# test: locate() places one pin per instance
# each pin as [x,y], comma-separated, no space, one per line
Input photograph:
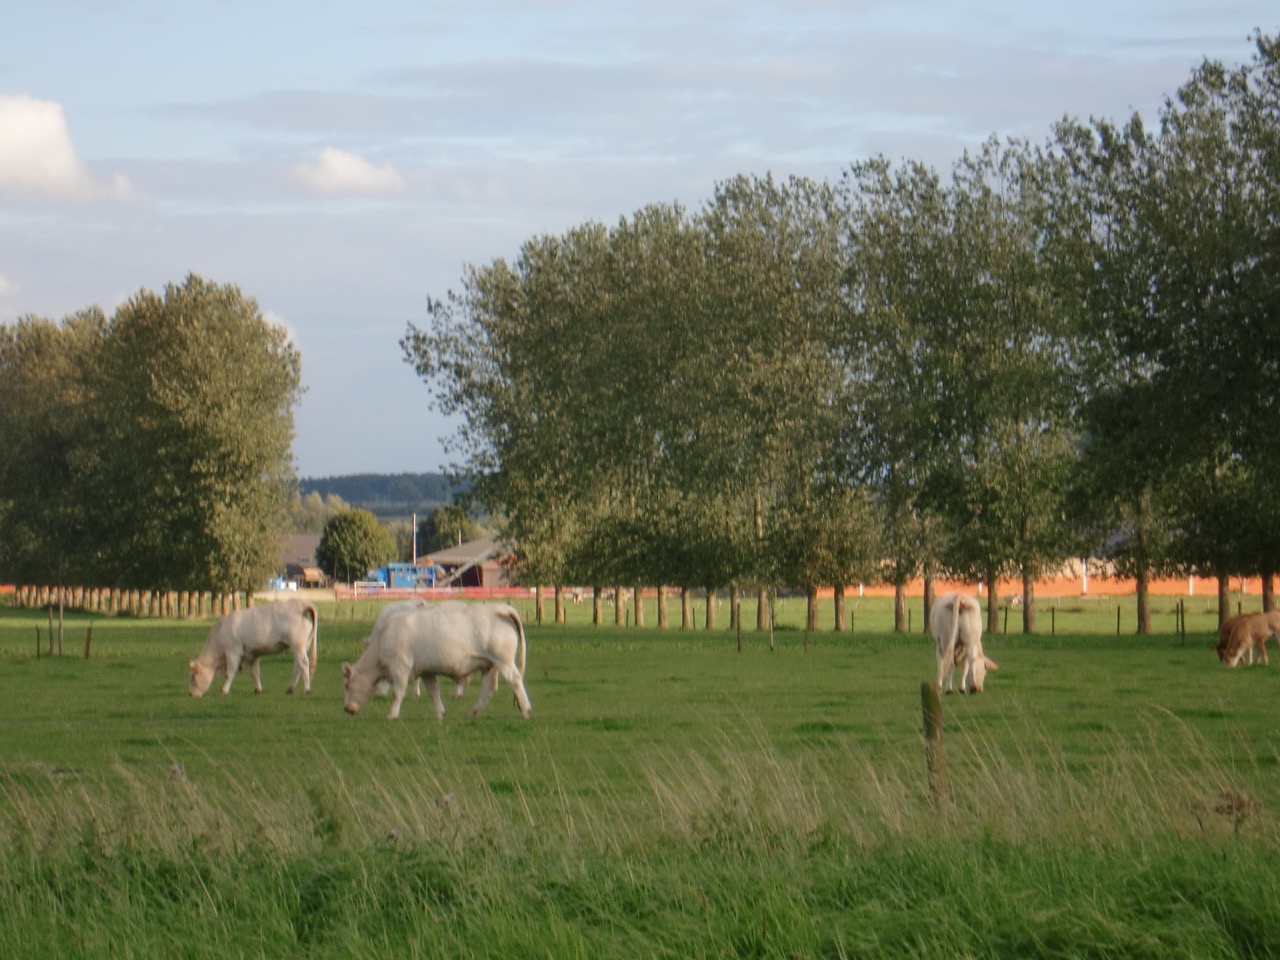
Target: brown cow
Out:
[1239,635]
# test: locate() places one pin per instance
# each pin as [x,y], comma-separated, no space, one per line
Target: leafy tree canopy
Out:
[352,544]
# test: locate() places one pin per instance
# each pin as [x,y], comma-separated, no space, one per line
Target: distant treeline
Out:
[365,489]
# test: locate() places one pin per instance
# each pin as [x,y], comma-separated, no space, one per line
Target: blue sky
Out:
[340,162]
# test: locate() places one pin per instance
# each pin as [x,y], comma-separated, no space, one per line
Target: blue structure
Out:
[406,576]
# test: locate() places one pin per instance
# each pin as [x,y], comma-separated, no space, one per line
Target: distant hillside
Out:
[380,492]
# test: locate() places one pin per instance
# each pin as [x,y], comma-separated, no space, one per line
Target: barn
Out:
[476,563]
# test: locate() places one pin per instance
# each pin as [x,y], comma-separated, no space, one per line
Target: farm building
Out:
[298,557]
[477,563]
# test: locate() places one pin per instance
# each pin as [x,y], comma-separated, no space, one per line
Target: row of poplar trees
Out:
[1065,349]
[148,450]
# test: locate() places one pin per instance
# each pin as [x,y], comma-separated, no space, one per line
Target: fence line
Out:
[170,604]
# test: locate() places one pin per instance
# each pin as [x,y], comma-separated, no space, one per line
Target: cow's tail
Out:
[520,631]
[954,641]
[314,646]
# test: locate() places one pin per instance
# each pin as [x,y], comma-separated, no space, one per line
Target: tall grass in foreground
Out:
[733,850]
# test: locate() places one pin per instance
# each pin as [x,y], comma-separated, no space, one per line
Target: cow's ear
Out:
[191,665]
[346,671]
[991,664]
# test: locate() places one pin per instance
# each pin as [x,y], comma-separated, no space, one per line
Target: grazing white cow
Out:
[242,637]
[449,639]
[388,610]
[956,624]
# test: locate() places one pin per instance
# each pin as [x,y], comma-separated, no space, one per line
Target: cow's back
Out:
[271,627]
[448,637]
[970,622]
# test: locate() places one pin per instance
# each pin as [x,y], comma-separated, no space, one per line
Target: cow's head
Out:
[1233,646]
[358,686]
[975,674]
[201,677]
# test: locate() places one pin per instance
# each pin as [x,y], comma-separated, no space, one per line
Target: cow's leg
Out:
[946,663]
[488,686]
[301,669]
[512,675]
[433,688]
[460,686]
[233,665]
[1262,648]
[399,686]
[255,671]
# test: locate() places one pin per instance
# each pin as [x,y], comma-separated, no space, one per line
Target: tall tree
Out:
[898,255]
[191,448]
[1179,286]
[1010,377]
[45,372]
[352,544]
[769,397]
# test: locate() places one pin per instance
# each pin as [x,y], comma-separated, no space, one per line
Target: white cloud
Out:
[7,287]
[37,156]
[336,172]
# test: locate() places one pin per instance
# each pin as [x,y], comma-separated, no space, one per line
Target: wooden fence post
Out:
[934,753]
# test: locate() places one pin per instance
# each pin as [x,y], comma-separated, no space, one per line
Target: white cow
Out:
[383,686]
[450,639]
[956,625]
[241,637]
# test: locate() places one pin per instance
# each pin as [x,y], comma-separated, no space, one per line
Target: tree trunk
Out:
[686,609]
[811,609]
[838,603]
[1224,599]
[559,600]
[711,608]
[735,613]
[930,594]
[1143,594]
[1028,603]
[638,616]
[993,601]
[619,606]
[537,605]
[1268,591]
[597,616]
[662,608]
[899,607]
[762,609]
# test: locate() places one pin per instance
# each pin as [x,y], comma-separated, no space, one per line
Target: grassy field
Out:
[671,797]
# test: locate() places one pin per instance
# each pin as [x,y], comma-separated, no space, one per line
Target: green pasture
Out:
[672,796]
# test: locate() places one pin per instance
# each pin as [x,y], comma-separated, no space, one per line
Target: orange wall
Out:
[1073,587]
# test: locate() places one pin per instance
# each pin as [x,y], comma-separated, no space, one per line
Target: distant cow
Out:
[449,639]
[242,637]
[956,624]
[1239,635]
